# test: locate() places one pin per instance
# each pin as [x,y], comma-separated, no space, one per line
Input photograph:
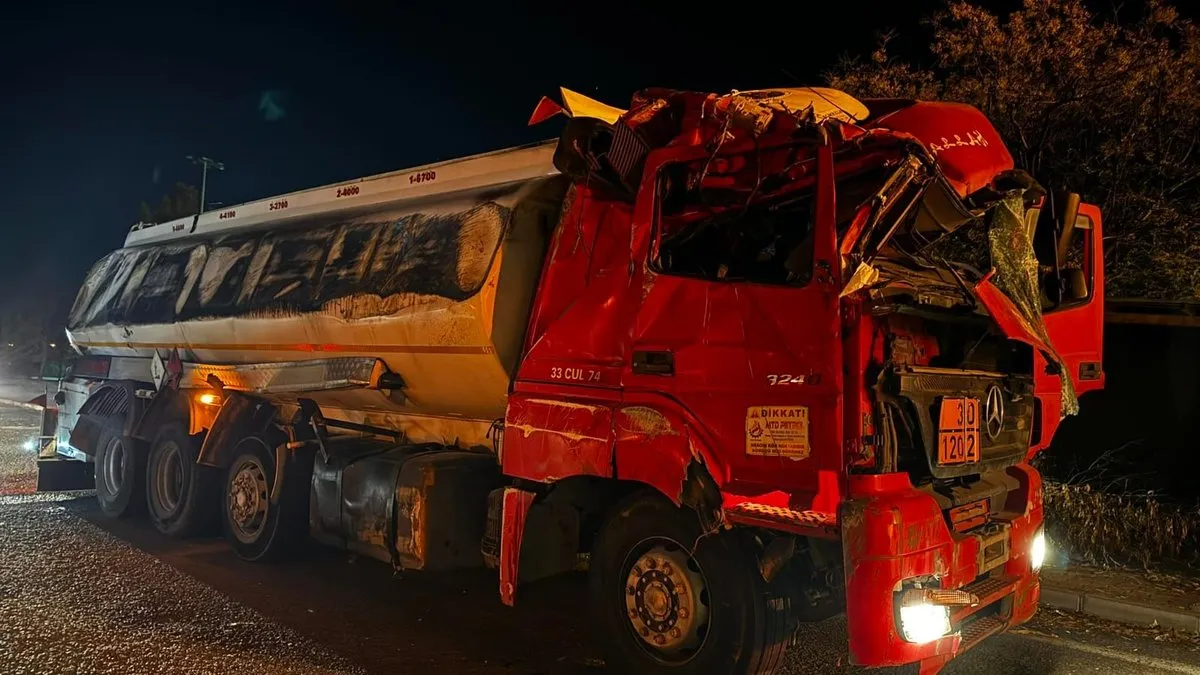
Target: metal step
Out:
[977,630]
[817,523]
[989,590]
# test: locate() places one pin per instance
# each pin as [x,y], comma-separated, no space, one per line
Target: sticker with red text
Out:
[777,431]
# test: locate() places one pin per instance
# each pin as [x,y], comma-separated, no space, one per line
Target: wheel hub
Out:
[665,597]
[248,500]
[168,479]
[113,471]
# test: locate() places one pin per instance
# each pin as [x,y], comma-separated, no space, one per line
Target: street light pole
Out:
[205,164]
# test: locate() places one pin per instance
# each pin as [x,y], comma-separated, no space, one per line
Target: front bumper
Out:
[893,533]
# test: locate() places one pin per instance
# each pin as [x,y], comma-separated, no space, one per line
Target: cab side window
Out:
[769,243]
[746,217]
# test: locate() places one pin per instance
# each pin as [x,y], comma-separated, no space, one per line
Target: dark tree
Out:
[1107,106]
[183,200]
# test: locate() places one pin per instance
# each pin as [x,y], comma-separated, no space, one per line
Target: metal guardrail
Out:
[1177,313]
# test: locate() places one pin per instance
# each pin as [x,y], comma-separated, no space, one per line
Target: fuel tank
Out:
[415,506]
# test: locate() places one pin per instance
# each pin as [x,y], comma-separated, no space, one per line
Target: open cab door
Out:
[1068,242]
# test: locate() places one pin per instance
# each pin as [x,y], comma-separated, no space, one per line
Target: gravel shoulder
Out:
[75,599]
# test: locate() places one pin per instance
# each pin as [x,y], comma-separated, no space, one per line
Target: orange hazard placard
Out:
[777,431]
[958,431]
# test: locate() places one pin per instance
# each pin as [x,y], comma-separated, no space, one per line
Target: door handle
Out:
[653,362]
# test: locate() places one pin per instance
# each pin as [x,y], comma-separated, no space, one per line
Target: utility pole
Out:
[205,164]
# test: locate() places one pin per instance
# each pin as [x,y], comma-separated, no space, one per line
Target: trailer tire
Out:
[119,471]
[181,495]
[258,529]
[711,614]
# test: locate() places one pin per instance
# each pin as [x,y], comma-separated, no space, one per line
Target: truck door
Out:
[739,325]
[1072,308]
[1075,317]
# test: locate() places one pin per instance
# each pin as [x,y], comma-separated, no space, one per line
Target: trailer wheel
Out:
[181,494]
[119,473]
[257,528]
[662,607]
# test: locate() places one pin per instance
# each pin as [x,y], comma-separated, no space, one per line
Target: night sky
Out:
[100,105]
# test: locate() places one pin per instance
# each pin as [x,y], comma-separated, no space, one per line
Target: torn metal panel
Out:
[578,105]
[655,446]
[548,440]
[701,494]
[816,104]
[968,149]
[864,275]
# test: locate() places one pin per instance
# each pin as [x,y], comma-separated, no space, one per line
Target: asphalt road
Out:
[79,594]
[18,426]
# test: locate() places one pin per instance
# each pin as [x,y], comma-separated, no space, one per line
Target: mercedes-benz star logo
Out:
[993,412]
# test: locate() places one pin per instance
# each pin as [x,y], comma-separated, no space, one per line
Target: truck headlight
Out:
[1037,550]
[924,622]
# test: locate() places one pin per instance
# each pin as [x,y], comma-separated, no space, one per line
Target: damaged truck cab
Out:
[754,360]
[753,307]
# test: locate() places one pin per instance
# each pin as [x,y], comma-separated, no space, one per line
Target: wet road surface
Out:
[19,429]
[80,594]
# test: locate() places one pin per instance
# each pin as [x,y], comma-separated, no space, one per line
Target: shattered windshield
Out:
[731,219]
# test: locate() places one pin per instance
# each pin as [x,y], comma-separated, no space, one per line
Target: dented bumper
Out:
[895,535]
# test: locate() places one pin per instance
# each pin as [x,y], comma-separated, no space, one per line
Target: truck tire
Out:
[181,496]
[119,471]
[257,528]
[660,608]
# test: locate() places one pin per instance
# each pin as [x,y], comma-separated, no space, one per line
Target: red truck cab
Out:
[744,320]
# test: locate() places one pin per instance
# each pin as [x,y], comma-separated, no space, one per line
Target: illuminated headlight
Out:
[924,622]
[30,445]
[1037,550]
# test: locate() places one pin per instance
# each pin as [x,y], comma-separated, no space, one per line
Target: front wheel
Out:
[256,527]
[666,601]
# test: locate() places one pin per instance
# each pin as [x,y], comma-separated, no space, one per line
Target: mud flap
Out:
[86,433]
[512,531]
[240,416]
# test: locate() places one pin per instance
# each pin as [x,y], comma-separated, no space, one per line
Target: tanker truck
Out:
[719,350]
